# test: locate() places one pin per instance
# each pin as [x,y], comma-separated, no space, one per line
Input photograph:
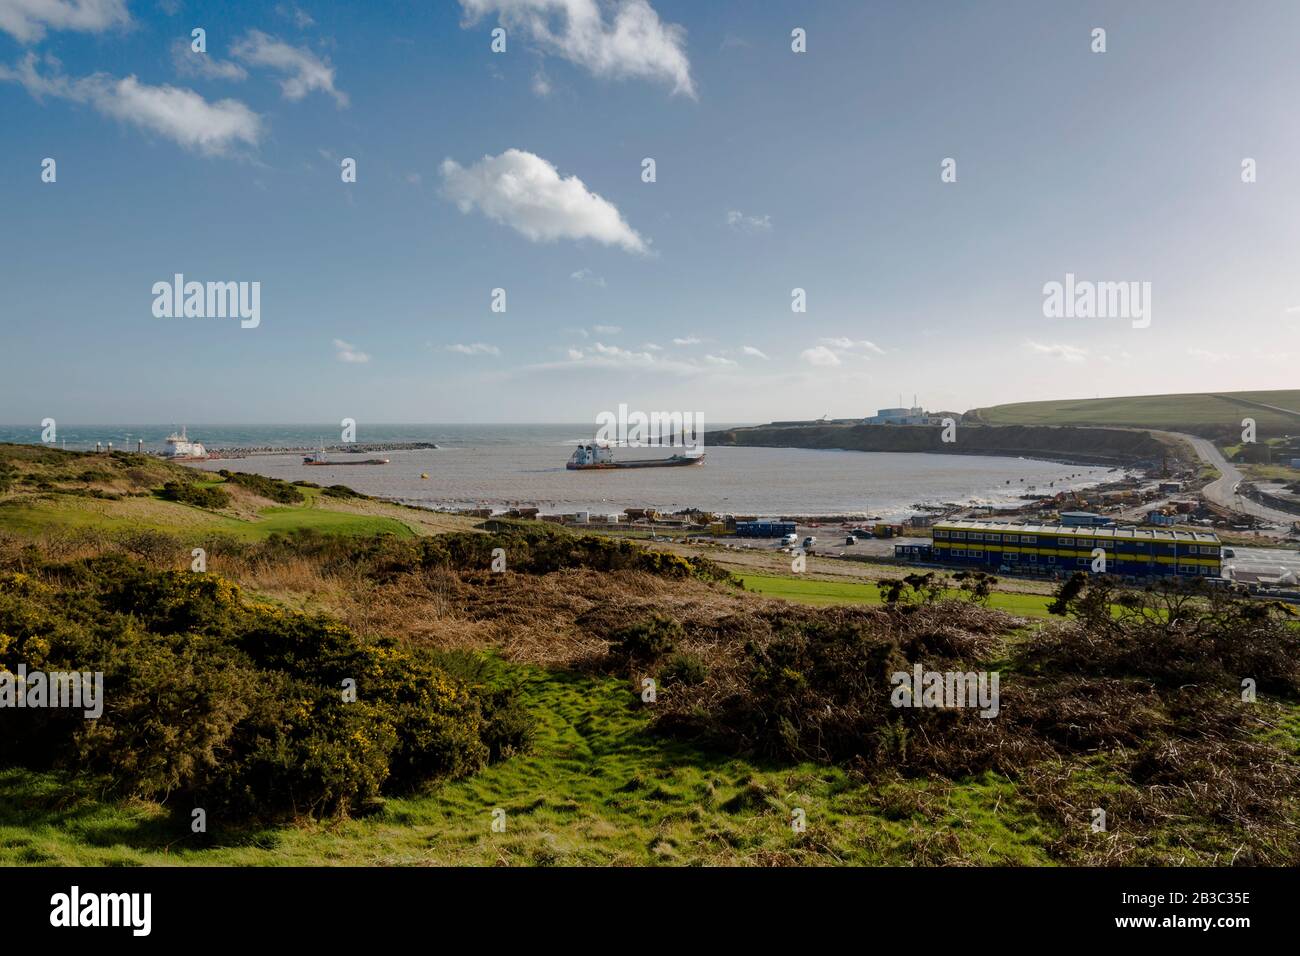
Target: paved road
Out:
[1223,491]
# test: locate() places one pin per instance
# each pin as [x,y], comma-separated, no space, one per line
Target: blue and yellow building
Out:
[1039,548]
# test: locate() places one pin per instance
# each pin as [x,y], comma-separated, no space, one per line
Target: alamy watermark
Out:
[923,688]
[646,429]
[74,690]
[1083,299]
[179,299]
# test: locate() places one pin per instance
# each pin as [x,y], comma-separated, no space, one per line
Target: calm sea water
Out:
[501,466]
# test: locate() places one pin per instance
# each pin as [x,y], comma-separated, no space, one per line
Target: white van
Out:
[789,539]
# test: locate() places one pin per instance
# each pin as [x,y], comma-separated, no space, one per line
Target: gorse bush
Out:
[197,495]
[646,640]
[529,548]
[272,488]
[236,706]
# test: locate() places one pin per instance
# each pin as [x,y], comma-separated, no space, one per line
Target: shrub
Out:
[684,669]
[341,491]
[197,495]
[646,640]
[272,488]
[233,705]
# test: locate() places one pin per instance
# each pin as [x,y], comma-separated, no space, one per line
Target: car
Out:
[808,542]
[1229,553]
[789,539]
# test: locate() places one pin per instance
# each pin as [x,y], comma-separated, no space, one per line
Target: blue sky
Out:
[774,170]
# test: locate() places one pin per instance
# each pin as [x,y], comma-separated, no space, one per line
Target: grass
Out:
[595,789]
[1175,412]
[822,593]
[35,514]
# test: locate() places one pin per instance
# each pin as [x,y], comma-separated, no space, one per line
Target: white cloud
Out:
[1067,353]
[756,353]
[525,192]
[27,20]
[607,329]
[291,11]
[1206,355]
[820,356]
[602,356]
[304,71]
[687,340]
[741,223]
[586,275]
[203,65]
[474,348]
[719,360]
[845,344]
[635,43]
[541,84]
[347,352]
[652,347]
[179,114]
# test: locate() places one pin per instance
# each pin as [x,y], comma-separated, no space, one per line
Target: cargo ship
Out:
[599,457]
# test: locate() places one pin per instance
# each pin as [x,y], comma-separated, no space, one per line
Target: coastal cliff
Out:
[1094,446]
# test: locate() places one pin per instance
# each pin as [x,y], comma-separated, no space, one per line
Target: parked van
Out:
[789,540]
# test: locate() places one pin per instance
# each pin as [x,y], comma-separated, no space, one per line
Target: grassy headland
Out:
[1096,446]
[521,690]
[1208,414]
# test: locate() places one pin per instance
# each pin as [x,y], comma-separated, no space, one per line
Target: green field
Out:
[595,789]
[1173,412]
[811,591]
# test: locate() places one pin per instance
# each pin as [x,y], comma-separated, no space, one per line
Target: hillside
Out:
[1210,414]
[519,689]
[45,488]
[1076,445]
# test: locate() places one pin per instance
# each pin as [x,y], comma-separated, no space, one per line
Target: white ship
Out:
[179,447]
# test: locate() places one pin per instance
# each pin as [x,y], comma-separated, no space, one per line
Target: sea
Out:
[506,466]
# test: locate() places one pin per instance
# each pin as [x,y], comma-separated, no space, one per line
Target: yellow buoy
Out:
[424,474]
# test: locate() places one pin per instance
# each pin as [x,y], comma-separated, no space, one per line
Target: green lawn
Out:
[811,591]
[596,789]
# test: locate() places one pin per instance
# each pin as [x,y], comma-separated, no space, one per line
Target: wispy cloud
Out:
[474,348]
[844,344]
[347,352]
[756,353]
[633,43]
[687,340]
[291,11]
[541,84]
[525,192]
[741,223]
[1066,353]
[820,356]
[27,20]
[304,71]
[179,114]
[203,66]
[587,276]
